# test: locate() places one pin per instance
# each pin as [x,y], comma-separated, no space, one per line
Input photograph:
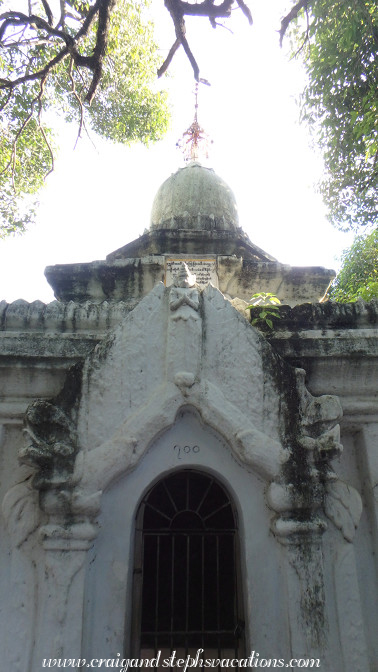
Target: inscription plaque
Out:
[205,270]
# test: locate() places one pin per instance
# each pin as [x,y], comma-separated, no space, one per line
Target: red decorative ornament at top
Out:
[195,143]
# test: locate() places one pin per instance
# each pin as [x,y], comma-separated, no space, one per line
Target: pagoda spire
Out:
[194,143]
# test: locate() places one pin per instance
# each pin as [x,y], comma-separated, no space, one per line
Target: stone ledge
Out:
[12,412]
[327,315]
[69,347]
[71,317]
[326,343]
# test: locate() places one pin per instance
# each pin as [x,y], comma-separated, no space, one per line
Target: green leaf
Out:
[127,106]
[340,103]
[358,275]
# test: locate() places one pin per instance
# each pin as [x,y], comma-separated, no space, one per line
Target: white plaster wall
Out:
[133,368]
[350,571]
[355,470]
[233,357]
[17,568]
[109,580]
[118,380]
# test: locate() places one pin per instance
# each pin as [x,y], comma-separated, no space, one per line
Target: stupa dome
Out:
[196,198]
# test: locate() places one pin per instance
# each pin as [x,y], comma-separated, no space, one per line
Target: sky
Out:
[99,198]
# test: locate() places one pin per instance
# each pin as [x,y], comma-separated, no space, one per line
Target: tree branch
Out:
[18,19]
[93,62]
[246,11]
[62,18]
[12,159]
[7,99]
[205,8]
[79,101]
[4,26]
[168,60]
[90,17]
[291,16]
[42,130]
[191,58]
[306,38]
[39,74]
[99,51]
[49,14]
[175,9]
[179,8]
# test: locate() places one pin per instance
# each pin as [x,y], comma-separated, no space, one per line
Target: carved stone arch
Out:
[97,468]
[121,501]
[212,468]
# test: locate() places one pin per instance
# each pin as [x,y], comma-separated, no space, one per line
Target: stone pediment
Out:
[182,347]
[201,341]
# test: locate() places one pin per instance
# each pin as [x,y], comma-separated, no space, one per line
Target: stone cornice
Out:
[326,343]
[329,315]
[318,330]
[57,333]
[68,318]
[68,331]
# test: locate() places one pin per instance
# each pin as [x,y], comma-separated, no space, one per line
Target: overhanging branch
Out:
[291,16]
[101,45]
[178,9]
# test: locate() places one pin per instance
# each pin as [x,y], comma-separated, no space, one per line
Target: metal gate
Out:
[186,576]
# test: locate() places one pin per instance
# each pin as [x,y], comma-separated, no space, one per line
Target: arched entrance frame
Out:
[163,457]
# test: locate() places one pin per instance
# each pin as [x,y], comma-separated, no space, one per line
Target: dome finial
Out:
[194,142]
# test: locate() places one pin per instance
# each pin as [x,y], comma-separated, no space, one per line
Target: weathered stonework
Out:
[98,398]
[130,279]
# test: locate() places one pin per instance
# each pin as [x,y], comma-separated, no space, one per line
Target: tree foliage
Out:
[268,309]
[339,44]
[91,61]
[94,63]
[358,276]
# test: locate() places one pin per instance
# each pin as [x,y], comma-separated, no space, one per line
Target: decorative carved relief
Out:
[184,278]
[184,298]
[184,295]
[315,442]
[21,511]
[49,497]
[343,506]
[306,489]
[51,443]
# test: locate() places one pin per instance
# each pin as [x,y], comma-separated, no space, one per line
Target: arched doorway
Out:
[187,590]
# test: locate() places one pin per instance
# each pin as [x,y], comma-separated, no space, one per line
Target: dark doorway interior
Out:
[187,587]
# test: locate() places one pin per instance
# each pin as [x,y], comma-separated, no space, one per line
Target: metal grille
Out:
[187,569]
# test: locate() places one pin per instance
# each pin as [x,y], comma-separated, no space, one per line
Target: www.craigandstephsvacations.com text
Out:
[175,661]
